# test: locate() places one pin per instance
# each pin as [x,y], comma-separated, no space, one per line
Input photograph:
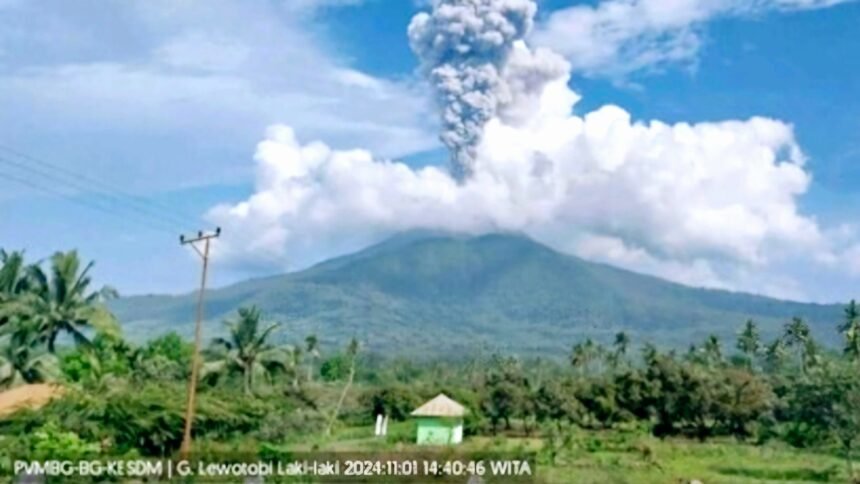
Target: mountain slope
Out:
[429,294]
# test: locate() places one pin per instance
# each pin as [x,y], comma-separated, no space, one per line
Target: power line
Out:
[155,216]
[103,186]
[116,200]
[89,183]
[83,202]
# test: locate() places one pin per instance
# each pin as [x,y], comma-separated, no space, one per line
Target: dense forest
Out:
[260,397]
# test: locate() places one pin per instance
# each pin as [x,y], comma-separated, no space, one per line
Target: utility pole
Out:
[195,360]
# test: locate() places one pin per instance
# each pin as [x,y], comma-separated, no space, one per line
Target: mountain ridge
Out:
[431,293]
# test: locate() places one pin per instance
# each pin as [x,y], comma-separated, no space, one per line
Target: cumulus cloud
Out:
[617,37]
[212,74]
[712,204]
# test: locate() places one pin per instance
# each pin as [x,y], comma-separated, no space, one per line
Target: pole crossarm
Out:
[199,237]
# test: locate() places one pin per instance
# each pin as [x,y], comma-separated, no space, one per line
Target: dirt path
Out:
[32,396]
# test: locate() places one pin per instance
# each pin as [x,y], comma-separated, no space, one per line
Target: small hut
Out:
[440,421]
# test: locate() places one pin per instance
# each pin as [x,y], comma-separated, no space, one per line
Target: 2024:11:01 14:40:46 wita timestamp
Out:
[408,468]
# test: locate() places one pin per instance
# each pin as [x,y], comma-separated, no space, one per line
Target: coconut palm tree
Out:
[774,355]
[247,350]
[62,302]
[295,365]
[796,334]
[584,354]
[713,350]
[23,358]
[749,342]
[15,283]
[620,346]
[850,330]
[622,342]
[312,349]
[14,274]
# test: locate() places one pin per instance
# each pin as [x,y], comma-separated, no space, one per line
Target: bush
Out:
[51,442]
[335,368]
[148,419]
[107,355]
[279,427]
[396,401]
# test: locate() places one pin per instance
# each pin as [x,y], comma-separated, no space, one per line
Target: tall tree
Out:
[850,329]
[619,349]
[796,334]
[351,354]
[247,348]
[774,355]
[749,342]
[584,354]
[312,348]
[295,365]
[14,274]
[713,351]
[15,282]
[23,358]
[62,301]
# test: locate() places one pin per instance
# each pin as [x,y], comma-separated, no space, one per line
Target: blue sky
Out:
[167,103]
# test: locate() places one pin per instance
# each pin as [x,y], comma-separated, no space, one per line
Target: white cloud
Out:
[711,204]
[213,72]
[705,204]
[617,37]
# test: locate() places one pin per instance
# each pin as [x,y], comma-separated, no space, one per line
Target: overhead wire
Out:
[149,208]
[95,194]
[5,175]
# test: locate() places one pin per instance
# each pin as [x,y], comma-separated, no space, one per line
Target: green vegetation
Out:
[784,409]
[432,296]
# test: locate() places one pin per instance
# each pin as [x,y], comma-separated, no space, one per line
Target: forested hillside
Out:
[426,294]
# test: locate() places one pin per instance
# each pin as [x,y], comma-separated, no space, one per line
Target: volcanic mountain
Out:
[431,294]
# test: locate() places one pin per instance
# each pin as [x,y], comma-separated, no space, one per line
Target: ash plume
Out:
[464,46]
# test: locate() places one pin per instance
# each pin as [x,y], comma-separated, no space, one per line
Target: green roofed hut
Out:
[440,421]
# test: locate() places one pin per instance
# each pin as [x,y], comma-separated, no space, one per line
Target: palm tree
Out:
[63,303]
[649,353]
[749,342]
[14,274]
[23,359]
[579,356]
[713,350]
[622,342]
[295,365]
[312,349]
[774,355]
[850,329]
[351,354]
[693,353]
[246,349]
[15,282]
[620,345]
[584,354]
[796,334]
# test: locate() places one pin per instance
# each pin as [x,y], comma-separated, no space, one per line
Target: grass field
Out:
[619,457]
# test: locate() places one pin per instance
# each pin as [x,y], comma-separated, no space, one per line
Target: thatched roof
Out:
[440,406]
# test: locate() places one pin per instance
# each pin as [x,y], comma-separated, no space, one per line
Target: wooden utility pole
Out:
[185,449]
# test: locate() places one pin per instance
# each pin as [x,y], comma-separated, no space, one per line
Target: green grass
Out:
[620,457]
